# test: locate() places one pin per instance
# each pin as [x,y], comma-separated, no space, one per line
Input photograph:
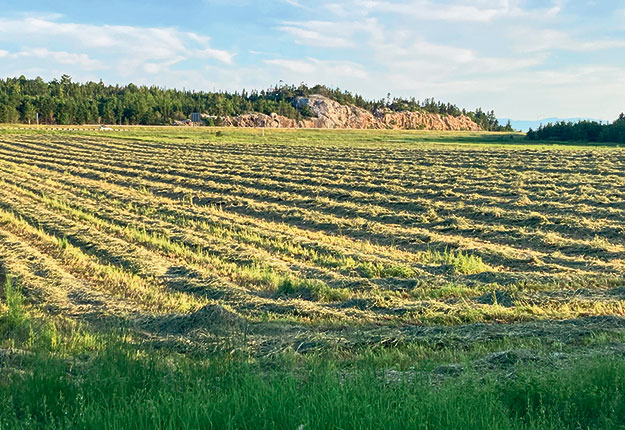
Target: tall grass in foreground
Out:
[122,389]
[115,385]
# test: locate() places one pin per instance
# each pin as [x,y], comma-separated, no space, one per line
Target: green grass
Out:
[120,388]
[460,262]
[307,136]
[80,381]
[311,289]
[379,270]
[14,316]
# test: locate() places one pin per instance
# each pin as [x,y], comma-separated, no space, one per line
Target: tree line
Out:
[62,101]
[581,131]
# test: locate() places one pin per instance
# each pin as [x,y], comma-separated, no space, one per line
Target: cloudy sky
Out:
[527,59]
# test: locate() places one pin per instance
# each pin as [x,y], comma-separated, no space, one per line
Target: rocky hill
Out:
[329,114]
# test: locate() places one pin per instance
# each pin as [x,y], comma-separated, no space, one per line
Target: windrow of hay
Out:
[211,238]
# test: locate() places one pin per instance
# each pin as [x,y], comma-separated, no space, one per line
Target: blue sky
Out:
[527,59]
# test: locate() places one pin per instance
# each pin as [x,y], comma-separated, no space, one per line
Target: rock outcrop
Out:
[427,121]
[260,120]
[331,114]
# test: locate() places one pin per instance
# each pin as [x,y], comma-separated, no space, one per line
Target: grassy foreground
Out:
[57,375]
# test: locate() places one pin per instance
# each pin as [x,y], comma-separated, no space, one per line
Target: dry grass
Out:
[309,238]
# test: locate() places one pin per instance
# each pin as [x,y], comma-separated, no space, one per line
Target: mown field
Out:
[411,265]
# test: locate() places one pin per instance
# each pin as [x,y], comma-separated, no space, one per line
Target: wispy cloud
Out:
[328,34]
[621,15]
[529,39]
[311,37]
[299,69]
[151,49]
[459,10]
[83,61]
[295,3]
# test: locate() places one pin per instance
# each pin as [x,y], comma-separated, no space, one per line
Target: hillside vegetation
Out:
[65,102]
[581,131]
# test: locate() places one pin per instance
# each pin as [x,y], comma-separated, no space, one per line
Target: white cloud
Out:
[406,51]
[217,54]
[151,49]
[401,49]
[536,40]
[315,38]
[82,61]
[328,34]
[295,3]
[296,70]
[459,10]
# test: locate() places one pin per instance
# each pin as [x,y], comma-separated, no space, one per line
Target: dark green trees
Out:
[582,131]
[62,101]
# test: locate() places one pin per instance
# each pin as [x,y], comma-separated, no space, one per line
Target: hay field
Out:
[312,240]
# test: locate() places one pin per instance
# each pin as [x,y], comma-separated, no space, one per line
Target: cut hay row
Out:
[319,218]
[534,244]
[502,211]
[482,211]
[207,218]
[315,236]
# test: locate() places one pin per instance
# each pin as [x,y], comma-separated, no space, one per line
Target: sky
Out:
[526,59]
